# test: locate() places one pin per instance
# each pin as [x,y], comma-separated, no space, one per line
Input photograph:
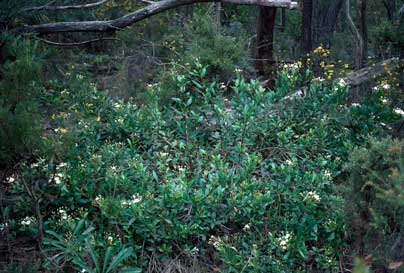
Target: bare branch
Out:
[56,8]
[78,43]
[401,11]
[138,15]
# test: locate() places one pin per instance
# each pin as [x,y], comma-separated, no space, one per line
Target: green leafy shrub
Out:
[240,178]
[375,194]
[19,86]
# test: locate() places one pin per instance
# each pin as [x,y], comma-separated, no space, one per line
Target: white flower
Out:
[57,178]
[61,165]
[10,179]
[27,221]
[3,226]
[289,162]
[284,240]
[385,101]
[98,198]
[319,79]
[310,195]
[355,105]
[386,86]
[247,227]
[399,111]
[63,214]
[135,199]
[342,82]
[110,240]
[327,173]
[117,105]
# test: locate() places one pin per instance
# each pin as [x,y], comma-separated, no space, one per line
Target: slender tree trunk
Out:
[391,6]
[363,31]
[283,20]
[265,39]
[307,44]
[218,14]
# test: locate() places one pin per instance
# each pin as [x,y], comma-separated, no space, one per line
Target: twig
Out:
[57,8]
[78,43]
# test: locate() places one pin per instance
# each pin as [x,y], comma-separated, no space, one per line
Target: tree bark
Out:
[218,15]
[141,14]
[265,39]
[283,20]
[363,30]
[357,38]
[307,44]
[329,22]
[391,8]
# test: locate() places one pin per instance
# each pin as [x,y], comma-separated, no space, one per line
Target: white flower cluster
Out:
[117,105]
[216,242]
[310,195]
[10,179]
[328,174]
[289,66]
[3,226]
[58,176]
[285,240]
[342,82]
[63,214]
[247,227]
[134,200]
[399,111]
[27,221]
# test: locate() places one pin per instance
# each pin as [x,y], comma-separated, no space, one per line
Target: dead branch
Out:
[77,43]
[49,6]
[143,13]
[363,75]
[376,70]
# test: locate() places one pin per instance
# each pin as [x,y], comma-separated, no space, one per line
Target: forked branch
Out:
[138,15]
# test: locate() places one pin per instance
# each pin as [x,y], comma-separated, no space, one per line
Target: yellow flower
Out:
[63,130]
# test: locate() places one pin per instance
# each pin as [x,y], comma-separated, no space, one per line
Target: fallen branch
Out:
[138,15]
[361,76]
[49,6]
[368,73]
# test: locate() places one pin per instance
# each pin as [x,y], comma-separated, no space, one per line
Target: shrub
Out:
[374,198]
[19,86]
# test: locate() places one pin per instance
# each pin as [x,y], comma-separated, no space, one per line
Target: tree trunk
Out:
[218,14]
[283,20]
[329,22]
[363,30]
[307,44]
[265,39]
[391,8]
